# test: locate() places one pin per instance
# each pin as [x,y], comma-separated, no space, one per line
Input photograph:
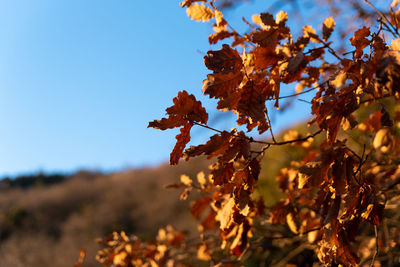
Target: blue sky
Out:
[80,80]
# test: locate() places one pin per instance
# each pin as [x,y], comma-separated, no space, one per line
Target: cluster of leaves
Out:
[340,199]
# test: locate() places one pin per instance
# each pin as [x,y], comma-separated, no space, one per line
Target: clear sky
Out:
[80,80]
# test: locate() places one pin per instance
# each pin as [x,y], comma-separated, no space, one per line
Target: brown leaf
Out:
[199,206]
[333,211]
[265,57]
[267,19]
[310,174]
[224,60]
[295,63]
[222,173]
[218,36]
[266,38]
[359,41]
[220,85]
[186,108]
[181,140]
[209,221]
[217,145]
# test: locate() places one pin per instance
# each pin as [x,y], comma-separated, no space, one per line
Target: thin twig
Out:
[305,101]
[302,92]
[330,49]
[208,127]
[270,126]
[396,33]
[290,141]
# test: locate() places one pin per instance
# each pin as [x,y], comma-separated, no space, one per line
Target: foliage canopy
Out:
[340,198]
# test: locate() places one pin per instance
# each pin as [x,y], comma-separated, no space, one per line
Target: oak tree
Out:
[341,200]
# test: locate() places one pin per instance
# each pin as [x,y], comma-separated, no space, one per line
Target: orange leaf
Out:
[185,109]
[182,139]
[199,12]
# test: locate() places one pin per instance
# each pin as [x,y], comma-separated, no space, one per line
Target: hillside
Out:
[44,220]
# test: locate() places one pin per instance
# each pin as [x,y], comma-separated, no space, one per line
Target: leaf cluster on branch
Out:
[341,199]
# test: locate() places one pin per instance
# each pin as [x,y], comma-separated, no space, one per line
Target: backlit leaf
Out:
[199,12]
[327,28]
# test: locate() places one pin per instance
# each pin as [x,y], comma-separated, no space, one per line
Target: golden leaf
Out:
[291,223]
[339,80]
[203,253]
[281,17]
[366,213]
[119,259]
[395,45]
[201,178]
[200,12]
[383,140]
[225,215]
[303,179]
[309,32]
[186,180]
[257,20]
[219,18]
[327,28]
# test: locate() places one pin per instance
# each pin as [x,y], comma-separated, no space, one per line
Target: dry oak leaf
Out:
[327,28]
[199,206]
[265,57]
[267,19]
[217,145]
[251,108]
[220,85]
[184,112]
[266,38]
[200,12]
[218,36]
[359,41]
[225,215]
[224,60]
[221,173]
[186,108]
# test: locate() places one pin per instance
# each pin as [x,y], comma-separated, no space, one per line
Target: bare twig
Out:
[395,33]
[270,126]
[290,141]
[304,92]
[207,127]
